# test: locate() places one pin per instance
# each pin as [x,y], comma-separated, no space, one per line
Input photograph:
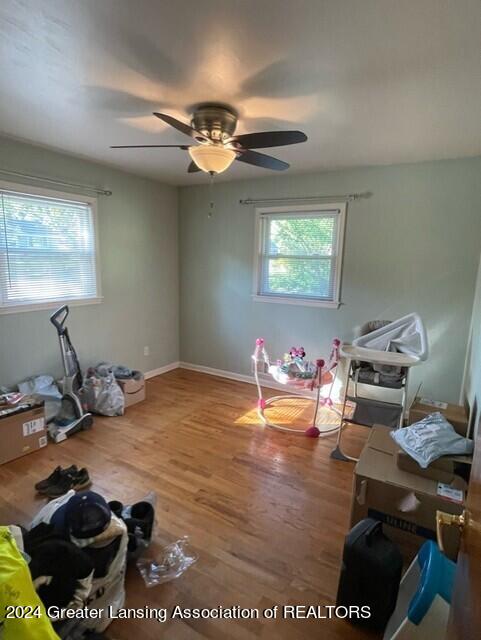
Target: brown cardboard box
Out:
[133,390]
[443,469]
[454,414]
[22,433]
[406,503]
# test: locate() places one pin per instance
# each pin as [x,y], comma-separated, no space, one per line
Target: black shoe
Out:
[54,478]
[81,479]
[64,484]
[77,479]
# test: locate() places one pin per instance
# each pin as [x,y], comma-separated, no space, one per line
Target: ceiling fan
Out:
[212,127]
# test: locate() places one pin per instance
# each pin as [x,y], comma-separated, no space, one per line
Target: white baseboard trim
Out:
[265,379]
[221,373]
[158,372]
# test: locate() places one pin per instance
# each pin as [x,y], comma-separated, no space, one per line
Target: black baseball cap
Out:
[85,515]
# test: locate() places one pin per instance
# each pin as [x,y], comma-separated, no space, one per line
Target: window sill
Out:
[304,302]
[42,306]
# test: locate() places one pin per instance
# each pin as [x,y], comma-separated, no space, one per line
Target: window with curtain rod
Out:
[48,249]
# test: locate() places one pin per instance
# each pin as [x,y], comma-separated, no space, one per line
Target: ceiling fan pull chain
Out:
[211,197]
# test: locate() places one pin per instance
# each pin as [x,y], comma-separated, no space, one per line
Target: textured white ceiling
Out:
[369,81]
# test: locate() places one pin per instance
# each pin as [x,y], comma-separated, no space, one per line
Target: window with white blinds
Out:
[300,254]
[47,250]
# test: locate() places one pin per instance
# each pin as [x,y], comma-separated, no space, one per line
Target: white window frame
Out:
[258,255]
[23,189]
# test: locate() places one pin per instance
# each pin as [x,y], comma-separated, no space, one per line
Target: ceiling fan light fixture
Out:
[213,127]
[212,158]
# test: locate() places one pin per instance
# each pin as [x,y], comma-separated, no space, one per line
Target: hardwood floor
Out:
[266,511]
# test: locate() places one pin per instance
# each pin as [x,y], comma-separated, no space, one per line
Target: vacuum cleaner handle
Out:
[59,317]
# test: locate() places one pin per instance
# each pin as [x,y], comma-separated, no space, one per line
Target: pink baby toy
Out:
[296,372]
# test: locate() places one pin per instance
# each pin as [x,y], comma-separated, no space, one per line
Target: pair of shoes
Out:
[62,480]
[139,519]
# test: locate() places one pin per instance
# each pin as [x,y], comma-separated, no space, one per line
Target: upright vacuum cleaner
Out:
[71,417]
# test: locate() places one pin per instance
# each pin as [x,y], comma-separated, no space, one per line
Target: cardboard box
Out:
[454,414]
[444,469]
[133,390]
[406,503]
[22,432]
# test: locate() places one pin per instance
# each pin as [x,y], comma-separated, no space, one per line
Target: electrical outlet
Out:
[146,351]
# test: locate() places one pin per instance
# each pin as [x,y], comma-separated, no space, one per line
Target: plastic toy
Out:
[300,374]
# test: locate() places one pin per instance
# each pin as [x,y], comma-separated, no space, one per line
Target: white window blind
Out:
[300,254]
[47,250]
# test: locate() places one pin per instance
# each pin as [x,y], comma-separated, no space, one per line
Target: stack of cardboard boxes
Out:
[391,487]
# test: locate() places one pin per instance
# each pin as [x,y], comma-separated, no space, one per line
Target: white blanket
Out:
[406,335]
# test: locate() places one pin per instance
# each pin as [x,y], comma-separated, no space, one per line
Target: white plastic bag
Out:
[103,395]
[431,438]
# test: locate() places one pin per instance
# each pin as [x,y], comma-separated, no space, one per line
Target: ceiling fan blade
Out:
[193,168]
[262,160]
[182,126]
[266,139]
[149,146]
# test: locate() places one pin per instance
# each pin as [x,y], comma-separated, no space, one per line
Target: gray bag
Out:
[103,395]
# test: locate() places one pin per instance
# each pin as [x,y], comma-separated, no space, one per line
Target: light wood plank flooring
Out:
[266,511]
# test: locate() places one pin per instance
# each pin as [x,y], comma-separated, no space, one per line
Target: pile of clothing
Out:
[76,549]
[80,529]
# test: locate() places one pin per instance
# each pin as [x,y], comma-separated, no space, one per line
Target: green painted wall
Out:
[472,386]
[138,235]
[413,246]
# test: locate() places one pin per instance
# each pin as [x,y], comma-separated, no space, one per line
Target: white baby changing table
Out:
[380,359]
